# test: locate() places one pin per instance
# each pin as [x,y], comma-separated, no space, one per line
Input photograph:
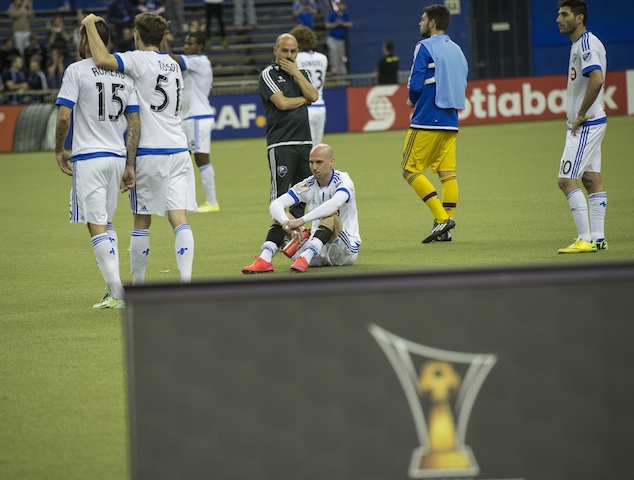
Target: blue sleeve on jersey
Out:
[344,190]
[419,72]
[183,63]
[586,71]
[131,109]
[119,62]
[292,194]
[67,103]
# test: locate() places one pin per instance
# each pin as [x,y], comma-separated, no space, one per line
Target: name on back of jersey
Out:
[167,67]
[96,71]
[311,63]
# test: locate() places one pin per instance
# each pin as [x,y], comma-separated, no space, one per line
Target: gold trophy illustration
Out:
[440,399]
[439,382]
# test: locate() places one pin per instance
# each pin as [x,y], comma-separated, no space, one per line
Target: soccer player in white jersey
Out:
[586,127]
[102,163]
[317,64]
[197,114]
[165,182]
[332,209]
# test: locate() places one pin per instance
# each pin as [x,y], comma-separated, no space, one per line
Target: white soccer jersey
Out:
[586,54]
[313,195]
[159,84]
[198,80]
[99,98]
[317,64]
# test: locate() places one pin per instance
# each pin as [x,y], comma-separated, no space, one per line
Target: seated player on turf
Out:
[332,209]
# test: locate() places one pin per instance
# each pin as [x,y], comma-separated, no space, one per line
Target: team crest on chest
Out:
[281,79]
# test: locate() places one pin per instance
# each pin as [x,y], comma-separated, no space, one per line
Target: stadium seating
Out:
[247,52]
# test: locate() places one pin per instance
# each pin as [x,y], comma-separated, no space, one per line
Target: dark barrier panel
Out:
[501,374]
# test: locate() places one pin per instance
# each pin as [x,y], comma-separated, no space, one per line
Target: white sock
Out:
[184,246]
[598,203]
[107,262]
[313,247]
[269,249]
[208,177]
[114,240]
[579,209]
[139,254]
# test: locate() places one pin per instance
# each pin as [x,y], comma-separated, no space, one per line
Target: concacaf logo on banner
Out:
[441,388]
[487,101]
[238,116]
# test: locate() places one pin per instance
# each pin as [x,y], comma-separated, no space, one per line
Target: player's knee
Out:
[562,183]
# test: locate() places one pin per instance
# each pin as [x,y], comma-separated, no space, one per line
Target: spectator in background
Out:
[55,69]
[59,38]
[7,53]
[37,79]
[304,11]
[152,6]
[239,6]
[338,24]
[21,12]
[175,14]
[194,26]
[386,72]
[15,81]
[35,48]
[213,8]
[126,42]
[120,15]
[1,91]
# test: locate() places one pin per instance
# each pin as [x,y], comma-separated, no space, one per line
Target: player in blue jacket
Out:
[436,89]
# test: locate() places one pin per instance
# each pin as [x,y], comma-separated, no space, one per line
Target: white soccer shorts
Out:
[337,253]
[95,191]
[317,120]
[163,183]
[198,132]
[582,152]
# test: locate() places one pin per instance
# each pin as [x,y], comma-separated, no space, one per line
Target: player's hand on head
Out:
[90,18]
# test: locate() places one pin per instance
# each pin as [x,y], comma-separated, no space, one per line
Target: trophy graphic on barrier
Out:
[430,390]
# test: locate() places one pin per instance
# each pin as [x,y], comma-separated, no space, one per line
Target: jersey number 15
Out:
[115,98]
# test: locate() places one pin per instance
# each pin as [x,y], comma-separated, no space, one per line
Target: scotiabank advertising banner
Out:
[487,101]
[8,117]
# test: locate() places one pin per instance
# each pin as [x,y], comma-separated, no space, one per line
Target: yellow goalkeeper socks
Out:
[449,193]
[426,191]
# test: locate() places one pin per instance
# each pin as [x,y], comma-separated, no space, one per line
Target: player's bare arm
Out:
[594,87]
[99,52]
[132,143]
[165,47]
[62,127]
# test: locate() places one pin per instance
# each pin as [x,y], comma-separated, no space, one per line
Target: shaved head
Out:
[322,150]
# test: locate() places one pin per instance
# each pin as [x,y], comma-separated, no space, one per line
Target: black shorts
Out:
[288,165]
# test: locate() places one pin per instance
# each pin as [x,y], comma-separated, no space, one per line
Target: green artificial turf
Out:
[62,364]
